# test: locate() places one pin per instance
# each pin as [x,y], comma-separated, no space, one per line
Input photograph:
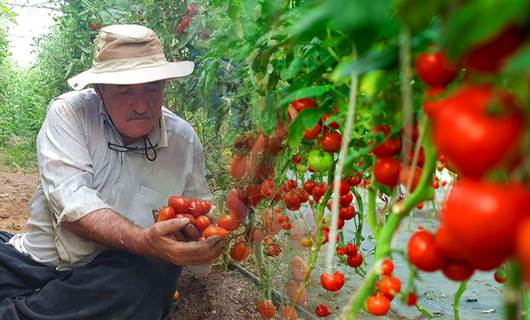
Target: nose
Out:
[140,105]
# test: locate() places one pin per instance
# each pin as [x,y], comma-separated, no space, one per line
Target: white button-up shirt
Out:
[80,174]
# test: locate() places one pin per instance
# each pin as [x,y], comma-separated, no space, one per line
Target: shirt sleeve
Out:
[65,164]
[196,184]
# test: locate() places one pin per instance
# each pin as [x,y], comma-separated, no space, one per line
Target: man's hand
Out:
[189,233]
[160,242]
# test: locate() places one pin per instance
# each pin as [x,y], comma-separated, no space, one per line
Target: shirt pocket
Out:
[143,203]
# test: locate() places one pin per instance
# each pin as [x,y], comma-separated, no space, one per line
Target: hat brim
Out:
[168,70]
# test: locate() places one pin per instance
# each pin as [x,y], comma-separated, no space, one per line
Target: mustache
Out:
[139,116]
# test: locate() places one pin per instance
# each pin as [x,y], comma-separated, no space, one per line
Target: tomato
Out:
[429,99]
[254,195]
[292,200]
[355,260]
[332,282]
[236,202]
[332,124]
[331,142]
[483,217]
[202,222]
[411,299]
[239,251]
[319,160]
[166,213]
[309,185]
[355,179]
[387,267]
[191,10]
[489,55]
[256,235]
[238,167]
[344,187]
[215,231]
[522,245]
[458,270]
[388,285]
[272,249]
[500,275]
[267,187]
[448,246]
[423,253]
[378,305]
[179,204]
[319,190]
[478,123]
[388,148]
[434,69]
[386,171]
[322,311]
[306,242]
[266,309]
[228,221]
[303,103]
[94,26]
[404,174]
[184,23]
[190,217]
[347,213]
[270,222]
[311,134]
[199,207]
[296,159]
[350,249]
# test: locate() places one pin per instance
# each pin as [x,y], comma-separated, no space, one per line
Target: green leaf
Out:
[478,20]
[307,118]
[519,63]
[305,93]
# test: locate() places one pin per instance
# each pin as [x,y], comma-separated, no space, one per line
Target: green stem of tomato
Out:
[424,311]
[360,218]
[371,218]
[399,211]
[456,300]
[526,304]
[513,291]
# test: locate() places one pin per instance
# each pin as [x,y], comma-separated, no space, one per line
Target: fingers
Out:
[191,232]
[171,225]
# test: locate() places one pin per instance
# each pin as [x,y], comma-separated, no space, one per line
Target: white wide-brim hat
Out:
[129,54]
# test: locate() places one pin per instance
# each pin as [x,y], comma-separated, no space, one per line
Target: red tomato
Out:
[386,171]
[238,167]
[202,222]
[296,159]
[346,199]
[256,235]
[355,260]
[411,299]
[429,99]
[378,305]
[333,124]
[166,213]
[311,134]
[332,282]
[215,231]
[322,311]
[448,246]
[303,103]
[423,253]
[406,172]
[196,208]
[331,141]
[292,200]
[94,26]
[266,309]
[179,204]
[522,242]
[191,10]
[228,222]
[309,185]
[350,249]
[236,202]
[478,123]
[184,23]
[267,187]
[458,270]
[387,267]
[483,218]
[347,213]
[319,190]
[186,215]
[435,69]
[355,179]
[388,148]
[344,187]
[388,285]
[254,194]
[500,276]
[489,55]
[239,251]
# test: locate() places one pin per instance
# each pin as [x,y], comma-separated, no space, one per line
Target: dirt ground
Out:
[220,295]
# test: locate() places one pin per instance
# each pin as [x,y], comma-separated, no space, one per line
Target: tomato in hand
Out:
[166,213]
[202,222]
[179,204]
[215,231]
[434,69]
[332,282]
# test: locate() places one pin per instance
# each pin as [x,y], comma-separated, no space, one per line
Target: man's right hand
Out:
[160,242]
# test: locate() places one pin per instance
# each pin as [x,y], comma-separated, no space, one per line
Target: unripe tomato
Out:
[319,160]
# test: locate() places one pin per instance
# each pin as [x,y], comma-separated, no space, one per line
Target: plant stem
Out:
[456,300]
[513,291]
[360,218]
[370,215]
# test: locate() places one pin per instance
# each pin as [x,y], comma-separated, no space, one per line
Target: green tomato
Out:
[320,161]
[301,168]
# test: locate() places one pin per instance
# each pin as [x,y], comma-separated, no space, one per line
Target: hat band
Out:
[129,63]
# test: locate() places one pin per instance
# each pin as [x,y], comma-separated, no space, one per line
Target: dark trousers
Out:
[115,285]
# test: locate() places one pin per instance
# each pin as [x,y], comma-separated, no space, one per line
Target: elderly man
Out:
[107,157]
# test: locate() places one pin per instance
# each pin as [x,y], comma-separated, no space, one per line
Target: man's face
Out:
[135,109]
